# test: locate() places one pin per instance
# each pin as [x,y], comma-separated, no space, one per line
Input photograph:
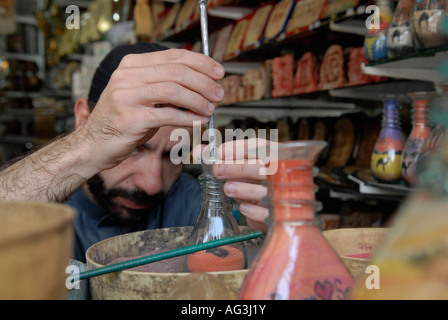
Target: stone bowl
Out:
[149,285]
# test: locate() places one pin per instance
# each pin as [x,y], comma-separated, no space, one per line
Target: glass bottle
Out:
[215,221]
[400,39]
[438,130]
[428,23]
[412,259]
[387,153]
[296,261]
[418,135]
[375,43]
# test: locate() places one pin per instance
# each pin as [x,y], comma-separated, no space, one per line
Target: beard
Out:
[106,198]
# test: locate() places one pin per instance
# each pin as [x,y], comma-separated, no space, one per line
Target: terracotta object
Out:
[412,257]
[355,246]
[296,261]
[417,138]
[332,69]
[136,285]
[36,241]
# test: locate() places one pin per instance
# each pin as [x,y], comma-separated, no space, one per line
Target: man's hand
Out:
[145,93]
[244,181]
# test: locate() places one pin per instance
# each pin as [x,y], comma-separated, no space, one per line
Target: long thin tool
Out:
[166,255]
[206,50]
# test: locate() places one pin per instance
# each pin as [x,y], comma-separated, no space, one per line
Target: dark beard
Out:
[126,216]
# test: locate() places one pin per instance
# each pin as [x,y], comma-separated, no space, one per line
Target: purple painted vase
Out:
[387,154]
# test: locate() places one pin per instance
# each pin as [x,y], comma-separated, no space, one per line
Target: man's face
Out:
[140,182]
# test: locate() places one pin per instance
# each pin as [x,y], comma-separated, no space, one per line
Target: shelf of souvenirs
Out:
[341,98]
[350,21]
[220,13]
[318,16]
[426,65]
[354,183]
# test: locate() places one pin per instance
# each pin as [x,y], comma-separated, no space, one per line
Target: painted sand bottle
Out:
[375,42]
[412,258]
[215,221]
[387,153]
[296,261]
[428,20]
[400,38]
[417,137]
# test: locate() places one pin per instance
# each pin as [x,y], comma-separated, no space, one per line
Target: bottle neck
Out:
[212,193]
[391,117]
[421,113]
[292,192]
[294,212]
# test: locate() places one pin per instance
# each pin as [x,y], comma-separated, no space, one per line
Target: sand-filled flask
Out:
[215,221]
[296,261]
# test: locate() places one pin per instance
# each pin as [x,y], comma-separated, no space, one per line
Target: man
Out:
[118,157]
[143,94]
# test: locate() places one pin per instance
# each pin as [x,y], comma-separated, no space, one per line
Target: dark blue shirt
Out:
[92,224]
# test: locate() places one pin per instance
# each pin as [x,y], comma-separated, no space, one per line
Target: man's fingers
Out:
[246,191]
[239,171]
[196,61]
[254,212]
[152,96]
[180,74]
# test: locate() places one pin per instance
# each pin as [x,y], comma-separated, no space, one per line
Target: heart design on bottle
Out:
[324,290]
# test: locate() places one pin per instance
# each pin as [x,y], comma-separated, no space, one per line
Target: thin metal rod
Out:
[166,255]
[206,50]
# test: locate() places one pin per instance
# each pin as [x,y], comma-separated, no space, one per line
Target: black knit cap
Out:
[111,62]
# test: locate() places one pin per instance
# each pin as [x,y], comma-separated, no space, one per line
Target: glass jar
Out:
[419,133]
[296,261]
[387,153]
[375,43]
[436,115]
[400,39]
[428,23]
[412,258]
[215,221]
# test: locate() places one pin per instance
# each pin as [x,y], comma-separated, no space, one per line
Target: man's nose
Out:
[149,176]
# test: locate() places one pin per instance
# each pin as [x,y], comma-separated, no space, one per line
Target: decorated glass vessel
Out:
[296,261]
[412,259]
[400,38]
[419,133]
[428,23]
[375,42]
[387,153]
